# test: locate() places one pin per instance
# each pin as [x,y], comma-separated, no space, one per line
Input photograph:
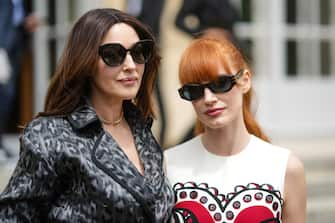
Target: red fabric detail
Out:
[200,212]
[254,214]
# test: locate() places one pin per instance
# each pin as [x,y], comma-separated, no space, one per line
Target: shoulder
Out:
[295,194]
[268,148]
[179,154]
[295,167]
[46,125]
[183,148]
[43,131]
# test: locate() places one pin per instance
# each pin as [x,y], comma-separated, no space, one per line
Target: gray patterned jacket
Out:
[71,170]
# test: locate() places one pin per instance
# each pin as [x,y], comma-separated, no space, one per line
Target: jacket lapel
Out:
[109,157]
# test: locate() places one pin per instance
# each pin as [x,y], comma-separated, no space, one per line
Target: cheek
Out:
[197,107]
[104,71]
[101,66]
[235,102]
[140,70]
[101,69]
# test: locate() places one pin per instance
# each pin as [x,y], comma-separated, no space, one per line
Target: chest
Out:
[96,172]
[235,190]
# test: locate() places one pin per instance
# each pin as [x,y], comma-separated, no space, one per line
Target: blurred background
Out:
[290,45]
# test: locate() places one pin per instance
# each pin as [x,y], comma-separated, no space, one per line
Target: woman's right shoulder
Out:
[37,136]
[183,148]
[46,122]
[44,127]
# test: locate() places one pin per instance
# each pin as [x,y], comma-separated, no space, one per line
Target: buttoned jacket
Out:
[71,170]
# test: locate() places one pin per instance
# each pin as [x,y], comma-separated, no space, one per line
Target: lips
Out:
[214,111]
[128,80]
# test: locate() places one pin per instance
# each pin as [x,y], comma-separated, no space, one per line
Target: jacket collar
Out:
[85,115]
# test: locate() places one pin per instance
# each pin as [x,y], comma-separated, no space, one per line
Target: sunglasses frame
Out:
[213,86]
[125,51]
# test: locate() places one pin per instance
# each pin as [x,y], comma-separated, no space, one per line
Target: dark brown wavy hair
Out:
[71,80]
[199,63]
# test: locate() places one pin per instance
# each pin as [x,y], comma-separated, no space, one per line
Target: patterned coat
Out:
[71,170]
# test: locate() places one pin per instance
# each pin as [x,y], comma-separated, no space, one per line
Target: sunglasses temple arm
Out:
[238,75]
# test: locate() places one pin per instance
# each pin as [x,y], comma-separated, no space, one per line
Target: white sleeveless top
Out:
[242,188]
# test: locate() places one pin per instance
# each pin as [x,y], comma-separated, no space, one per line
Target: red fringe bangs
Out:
[200,61]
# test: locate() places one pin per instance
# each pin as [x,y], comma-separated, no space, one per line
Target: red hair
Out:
[199,64]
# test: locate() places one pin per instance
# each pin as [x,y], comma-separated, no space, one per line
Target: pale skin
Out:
[221,134]
[294,209]
[110,88]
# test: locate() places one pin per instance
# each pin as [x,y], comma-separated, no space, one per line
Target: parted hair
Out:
[71,80]
[199,64]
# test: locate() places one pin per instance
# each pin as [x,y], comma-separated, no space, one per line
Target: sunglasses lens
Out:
[113,54]
[224,84]
[191,92]
[141,52]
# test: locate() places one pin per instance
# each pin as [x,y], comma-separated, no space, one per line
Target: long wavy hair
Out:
[71,80]
[199,64]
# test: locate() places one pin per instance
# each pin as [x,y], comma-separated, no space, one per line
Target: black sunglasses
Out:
[113,54]
[223,84]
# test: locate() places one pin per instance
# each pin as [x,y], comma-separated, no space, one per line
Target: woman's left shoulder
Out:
[267,147]
[295,166]
[295,193]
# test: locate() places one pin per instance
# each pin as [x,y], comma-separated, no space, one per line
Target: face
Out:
[120,82]
[218,110]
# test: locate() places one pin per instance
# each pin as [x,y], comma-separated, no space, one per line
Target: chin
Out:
[128,94]
[217,124]
[216,127]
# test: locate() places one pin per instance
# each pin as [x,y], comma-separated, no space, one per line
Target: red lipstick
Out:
[214,112]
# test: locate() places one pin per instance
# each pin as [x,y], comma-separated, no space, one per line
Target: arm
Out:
[294,209]
[26,196]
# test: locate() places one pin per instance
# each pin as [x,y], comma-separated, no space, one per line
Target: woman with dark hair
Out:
[90,156]
[229,172]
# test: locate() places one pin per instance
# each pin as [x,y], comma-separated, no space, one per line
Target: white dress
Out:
[242,188]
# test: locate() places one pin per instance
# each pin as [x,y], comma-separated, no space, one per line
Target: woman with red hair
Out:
[229,172]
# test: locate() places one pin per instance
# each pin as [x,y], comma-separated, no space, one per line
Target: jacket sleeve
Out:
[26,196]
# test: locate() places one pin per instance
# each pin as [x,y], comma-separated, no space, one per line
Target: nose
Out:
[128,62]
[209,96]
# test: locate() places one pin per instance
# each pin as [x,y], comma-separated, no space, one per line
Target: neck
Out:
[110,112]
[226,141]
[112,122]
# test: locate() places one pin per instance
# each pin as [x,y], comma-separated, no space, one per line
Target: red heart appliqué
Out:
[253,203]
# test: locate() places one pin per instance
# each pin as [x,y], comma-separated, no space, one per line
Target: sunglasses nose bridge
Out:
[129,59]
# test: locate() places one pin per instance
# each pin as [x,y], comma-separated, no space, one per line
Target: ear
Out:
[245,81]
